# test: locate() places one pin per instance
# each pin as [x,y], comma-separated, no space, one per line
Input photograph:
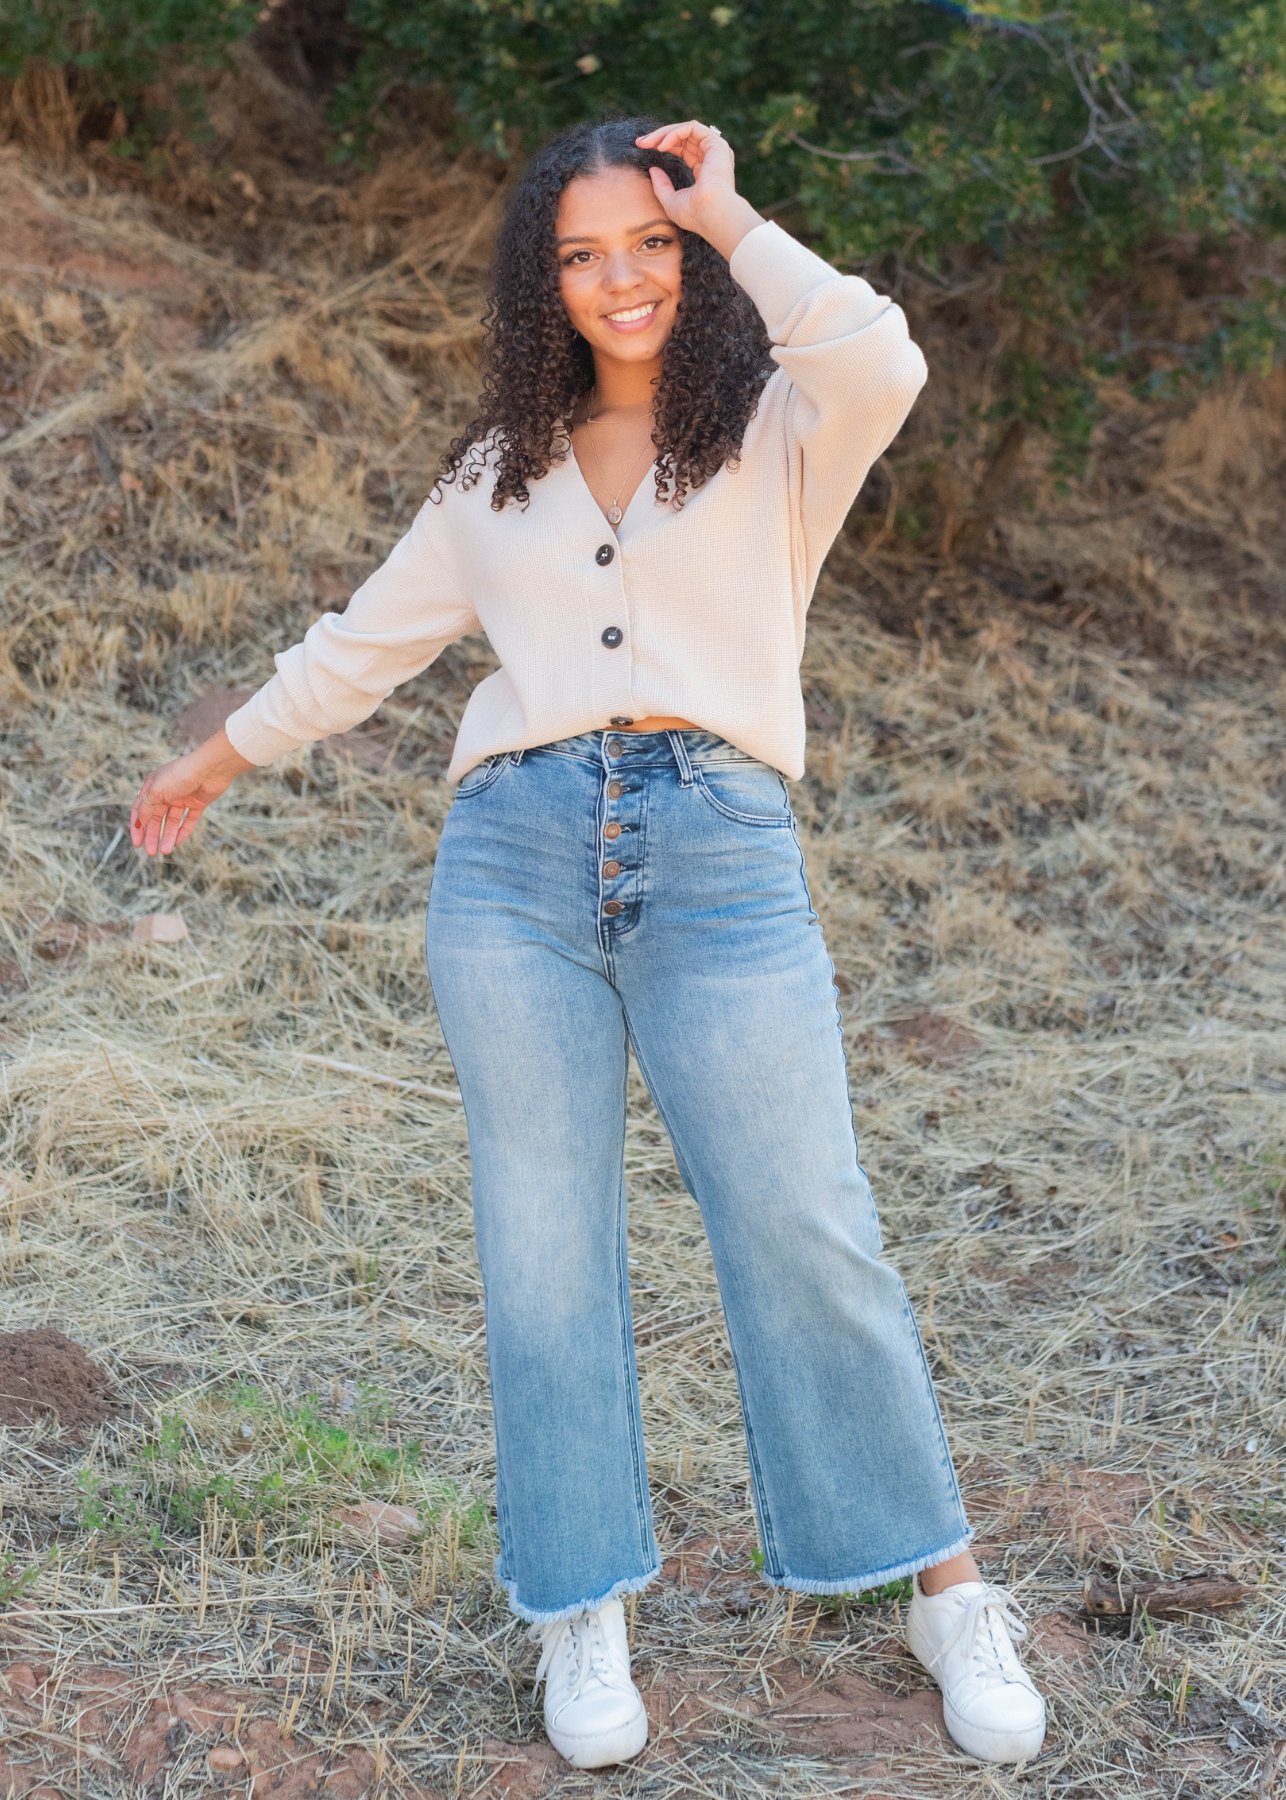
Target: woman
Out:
[620,870]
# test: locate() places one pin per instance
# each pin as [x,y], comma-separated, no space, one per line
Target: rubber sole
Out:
[993,1746]
[597,1752]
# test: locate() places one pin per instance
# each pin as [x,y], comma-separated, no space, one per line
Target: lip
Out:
[631,326]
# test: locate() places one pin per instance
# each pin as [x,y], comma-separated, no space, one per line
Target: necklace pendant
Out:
[614,515]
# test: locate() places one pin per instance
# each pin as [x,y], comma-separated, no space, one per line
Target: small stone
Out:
[378,1519]
[23,1681]
[225,1759]
[160,928]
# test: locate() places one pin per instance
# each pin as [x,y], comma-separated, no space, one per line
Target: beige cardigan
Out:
[695,613]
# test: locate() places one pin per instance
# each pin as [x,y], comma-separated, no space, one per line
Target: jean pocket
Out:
[483,776]
[750,793]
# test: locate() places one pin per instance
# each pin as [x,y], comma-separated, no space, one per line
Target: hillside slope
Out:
[1043,824]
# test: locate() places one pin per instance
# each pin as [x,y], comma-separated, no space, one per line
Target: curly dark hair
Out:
[536,366]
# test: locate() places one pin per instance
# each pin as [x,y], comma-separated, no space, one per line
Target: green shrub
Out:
[1062,146]
[1061,142]
[1068,152]
[112,51]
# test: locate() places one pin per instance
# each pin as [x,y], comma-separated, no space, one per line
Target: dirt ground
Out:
[1043,826]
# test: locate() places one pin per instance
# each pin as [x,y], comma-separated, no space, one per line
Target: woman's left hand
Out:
[711,207]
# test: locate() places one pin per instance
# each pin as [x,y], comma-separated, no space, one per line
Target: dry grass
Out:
[1051,815]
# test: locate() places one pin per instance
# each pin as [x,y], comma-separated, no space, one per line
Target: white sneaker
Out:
[965,1638]
[594,1714]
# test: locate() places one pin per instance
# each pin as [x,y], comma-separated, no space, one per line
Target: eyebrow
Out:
[635,231]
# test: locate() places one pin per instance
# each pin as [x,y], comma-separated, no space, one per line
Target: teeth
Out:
[635,312]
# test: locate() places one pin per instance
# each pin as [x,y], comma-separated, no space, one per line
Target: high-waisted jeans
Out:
[647,891]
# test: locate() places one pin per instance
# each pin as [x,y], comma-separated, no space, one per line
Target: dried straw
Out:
[234,1160]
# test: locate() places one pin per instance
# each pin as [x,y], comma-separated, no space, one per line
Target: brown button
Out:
[614,790]
[612,908]
[614,746]
[610,869]
[612,831]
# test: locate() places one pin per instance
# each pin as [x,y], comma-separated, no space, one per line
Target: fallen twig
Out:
[410,1087]
[1186,1593]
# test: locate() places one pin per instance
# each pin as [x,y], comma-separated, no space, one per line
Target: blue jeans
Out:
[612,891]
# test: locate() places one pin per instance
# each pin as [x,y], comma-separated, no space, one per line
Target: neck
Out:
[625,386]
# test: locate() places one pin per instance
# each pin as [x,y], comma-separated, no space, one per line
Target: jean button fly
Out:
[614,746]
[612,908]
[612,831]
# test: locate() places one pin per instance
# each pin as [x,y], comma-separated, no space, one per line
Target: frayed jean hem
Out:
[631,1584]
[858,1584]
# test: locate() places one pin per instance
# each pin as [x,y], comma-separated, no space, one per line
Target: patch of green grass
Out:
[892,1590]
[331,1450]
[15,1581]
[300,1457]
[831,1603]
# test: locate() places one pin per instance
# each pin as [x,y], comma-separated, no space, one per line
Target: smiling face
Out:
[620,265]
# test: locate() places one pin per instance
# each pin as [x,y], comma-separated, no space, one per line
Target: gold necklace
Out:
[614,513]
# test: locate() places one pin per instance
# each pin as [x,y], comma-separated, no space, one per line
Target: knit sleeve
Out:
[854,373]
[408,611]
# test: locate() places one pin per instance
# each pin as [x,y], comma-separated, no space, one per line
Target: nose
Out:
[620,271]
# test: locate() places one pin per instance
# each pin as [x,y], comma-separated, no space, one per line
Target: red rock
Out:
[159,928]
[203,1711]
[379,1519]
[23,1681]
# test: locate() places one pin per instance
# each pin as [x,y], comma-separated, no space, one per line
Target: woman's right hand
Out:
[711,207]
[170,802]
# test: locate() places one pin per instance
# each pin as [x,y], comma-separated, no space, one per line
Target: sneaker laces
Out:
[975,1630]
[583,1646]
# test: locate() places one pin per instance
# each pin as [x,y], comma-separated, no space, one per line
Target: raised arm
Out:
[393,627]
[854,372]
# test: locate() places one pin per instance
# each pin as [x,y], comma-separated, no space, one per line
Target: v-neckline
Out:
[644,481]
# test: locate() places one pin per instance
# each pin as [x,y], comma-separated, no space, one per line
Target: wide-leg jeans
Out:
[647,891]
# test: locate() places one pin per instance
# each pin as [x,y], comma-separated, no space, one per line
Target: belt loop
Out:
[680,750]
[516,756]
